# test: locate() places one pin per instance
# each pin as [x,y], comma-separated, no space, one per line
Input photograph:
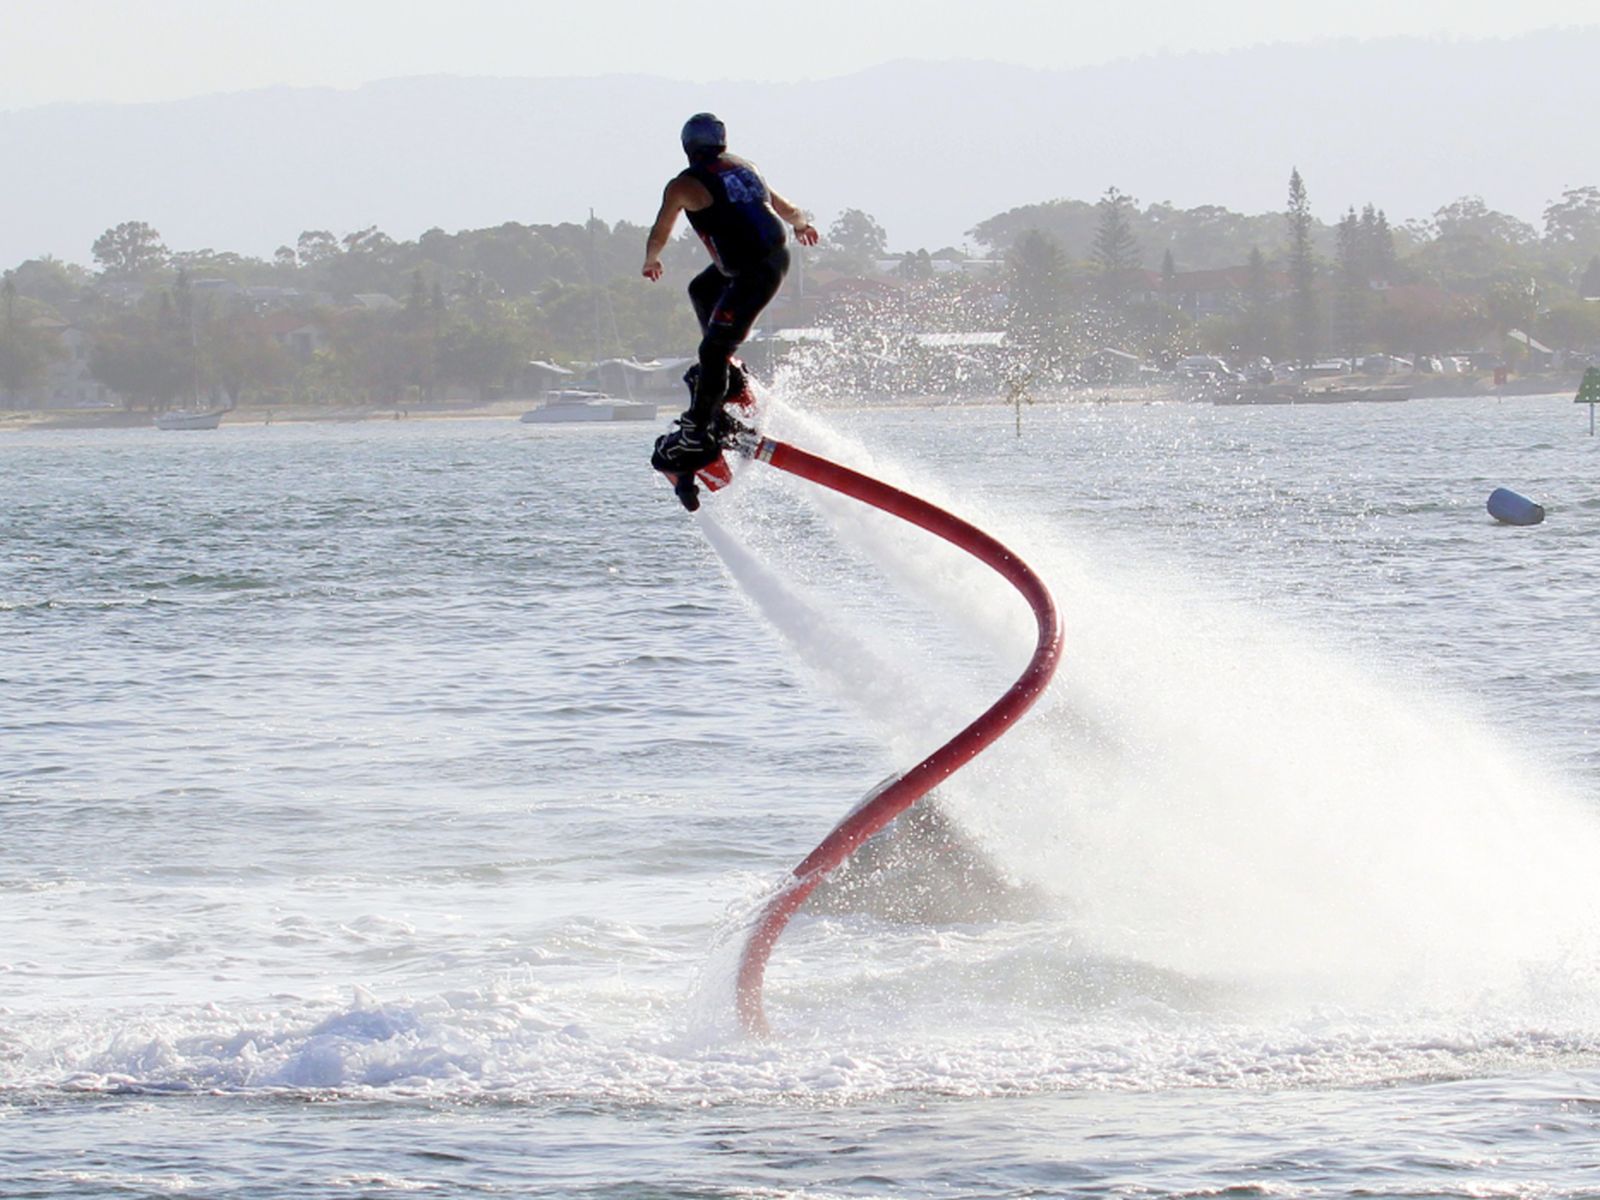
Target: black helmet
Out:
[704,134]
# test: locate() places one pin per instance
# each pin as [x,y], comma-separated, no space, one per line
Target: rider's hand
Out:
[806,235]
[652,269]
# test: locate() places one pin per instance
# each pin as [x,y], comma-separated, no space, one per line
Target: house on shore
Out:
[67,380]
[628,377]
[538,377]
[300,335]
[1218,292]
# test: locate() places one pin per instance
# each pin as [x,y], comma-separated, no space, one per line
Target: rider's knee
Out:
[719,343]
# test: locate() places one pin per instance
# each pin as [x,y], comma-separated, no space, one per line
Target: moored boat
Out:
[575,404]
[188,418]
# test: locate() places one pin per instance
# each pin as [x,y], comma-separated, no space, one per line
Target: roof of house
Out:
[279,323]
[630,364]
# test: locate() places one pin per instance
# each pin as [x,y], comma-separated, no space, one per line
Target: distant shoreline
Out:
[1426,387]
[22,420]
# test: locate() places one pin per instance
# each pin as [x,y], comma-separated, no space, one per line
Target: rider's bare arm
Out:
[804,231]
[681,195]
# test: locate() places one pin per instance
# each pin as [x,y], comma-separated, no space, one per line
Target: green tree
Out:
[1116,250]
[128,250]
[656,320]
[482,356]
[1202,238]
[369,262]
[238,359]
[1572,224]
[417,304]
[855,241]
[1354,265]
[1589,285]
[376,358]
[568,314]
[138,357]
[916,266]
[315,246]
[1260,333]
[50,281]
[1377,252]
[179,318]
[1036,287]
[1512,302]
[224,263]
[1470,217]
[26,349]
[1467,244]
[1424,319]
[1570,325]
[1302,272]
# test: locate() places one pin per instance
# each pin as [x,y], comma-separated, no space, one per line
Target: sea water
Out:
[382,805]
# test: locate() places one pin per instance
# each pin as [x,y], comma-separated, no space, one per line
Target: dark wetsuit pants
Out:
[728,306]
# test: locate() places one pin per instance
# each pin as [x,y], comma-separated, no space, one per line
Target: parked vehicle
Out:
[1204,367]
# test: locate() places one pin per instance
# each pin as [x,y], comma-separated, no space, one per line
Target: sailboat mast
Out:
[598,295]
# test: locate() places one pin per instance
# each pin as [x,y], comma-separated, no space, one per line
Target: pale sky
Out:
[121,50]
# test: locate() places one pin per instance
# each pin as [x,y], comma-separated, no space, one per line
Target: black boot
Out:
[685,449]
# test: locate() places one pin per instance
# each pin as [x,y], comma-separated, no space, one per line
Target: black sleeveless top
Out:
[739,226]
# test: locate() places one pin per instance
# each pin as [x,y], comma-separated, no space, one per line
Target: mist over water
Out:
[456,786]
[1212,793]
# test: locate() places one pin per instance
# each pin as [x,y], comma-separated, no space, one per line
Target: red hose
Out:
[900,793]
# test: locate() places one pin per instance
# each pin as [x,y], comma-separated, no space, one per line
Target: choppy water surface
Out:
[381,805]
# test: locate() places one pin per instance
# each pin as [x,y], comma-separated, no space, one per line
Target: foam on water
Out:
[971,1012]
[1269,864]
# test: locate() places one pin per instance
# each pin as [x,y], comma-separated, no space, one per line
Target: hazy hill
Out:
[930,149]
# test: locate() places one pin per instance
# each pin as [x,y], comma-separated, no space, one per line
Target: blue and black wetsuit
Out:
[750,256]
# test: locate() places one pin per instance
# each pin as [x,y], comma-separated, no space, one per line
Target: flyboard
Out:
[892,797]
[717,474]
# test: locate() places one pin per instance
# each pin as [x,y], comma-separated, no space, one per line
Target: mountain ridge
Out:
[929,148]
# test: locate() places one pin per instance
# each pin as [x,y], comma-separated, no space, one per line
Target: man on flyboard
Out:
[741,220]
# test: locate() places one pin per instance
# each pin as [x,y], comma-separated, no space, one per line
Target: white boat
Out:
[189,418]
[1326,393]
[575,404]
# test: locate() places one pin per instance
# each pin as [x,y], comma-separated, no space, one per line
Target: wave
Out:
[1020,1017]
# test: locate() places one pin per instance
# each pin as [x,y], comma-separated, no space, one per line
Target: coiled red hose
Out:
[900,793]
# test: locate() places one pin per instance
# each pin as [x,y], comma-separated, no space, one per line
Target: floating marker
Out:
[1589,393]
[1508,507]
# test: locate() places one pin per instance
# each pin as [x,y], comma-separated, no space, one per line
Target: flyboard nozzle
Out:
[750,444]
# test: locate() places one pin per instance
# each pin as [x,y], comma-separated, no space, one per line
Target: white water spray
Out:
[1214,794]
